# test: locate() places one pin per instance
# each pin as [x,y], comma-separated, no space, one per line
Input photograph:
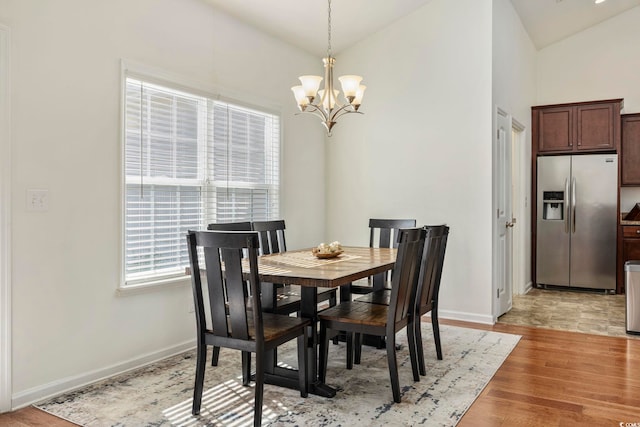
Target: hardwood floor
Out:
[552,378]
[561,378]
[32,417]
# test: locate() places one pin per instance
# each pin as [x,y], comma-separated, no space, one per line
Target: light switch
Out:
[37,200]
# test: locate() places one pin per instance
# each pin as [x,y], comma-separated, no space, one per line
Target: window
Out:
[190,160]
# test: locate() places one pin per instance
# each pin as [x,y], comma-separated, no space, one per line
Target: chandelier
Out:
[326,103]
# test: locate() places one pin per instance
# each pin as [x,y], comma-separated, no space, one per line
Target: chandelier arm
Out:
[339,112]
[318,112]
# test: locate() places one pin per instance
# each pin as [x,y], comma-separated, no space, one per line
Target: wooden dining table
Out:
[301,267]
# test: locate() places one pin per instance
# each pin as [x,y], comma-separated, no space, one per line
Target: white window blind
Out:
[189,161]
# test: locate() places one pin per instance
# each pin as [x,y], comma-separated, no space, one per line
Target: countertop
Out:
[626,222]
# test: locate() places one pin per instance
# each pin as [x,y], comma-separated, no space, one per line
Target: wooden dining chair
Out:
[288,297]
[427,299]
[228,226]
[232,323]
[357,318]
[426,292]
[383,233]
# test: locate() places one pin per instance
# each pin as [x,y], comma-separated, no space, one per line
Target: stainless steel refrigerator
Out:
[576,224]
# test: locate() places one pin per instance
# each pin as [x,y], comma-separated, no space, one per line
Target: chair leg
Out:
[324,353]
[302,364]
[246,368]
[333,300]
[411,338]
[216,356]
[436,331]
[349,350]
[358,348]
[201,361]
[259,390]
[393,367]
[419,346]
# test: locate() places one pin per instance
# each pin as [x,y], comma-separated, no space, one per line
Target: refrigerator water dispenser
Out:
[553,205]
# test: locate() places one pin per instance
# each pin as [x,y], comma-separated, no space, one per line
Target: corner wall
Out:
[514,91]
[422,149]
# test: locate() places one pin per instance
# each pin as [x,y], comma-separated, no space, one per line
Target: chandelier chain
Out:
[329,30]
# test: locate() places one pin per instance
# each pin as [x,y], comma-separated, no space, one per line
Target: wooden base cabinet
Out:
[628,249]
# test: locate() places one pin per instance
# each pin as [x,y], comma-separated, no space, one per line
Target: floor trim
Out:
[466,317]
[64,385]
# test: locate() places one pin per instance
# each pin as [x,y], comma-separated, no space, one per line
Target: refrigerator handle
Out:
[573,205]
[566,205]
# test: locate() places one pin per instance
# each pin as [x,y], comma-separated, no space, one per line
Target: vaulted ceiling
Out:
[304,22]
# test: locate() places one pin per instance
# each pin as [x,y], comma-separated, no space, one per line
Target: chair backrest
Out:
[385,233]
[405,277]
[228,297]
[431,268]
[271,234]
[230,226]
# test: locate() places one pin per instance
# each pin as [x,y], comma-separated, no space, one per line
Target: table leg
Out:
[309,309]
[286,377]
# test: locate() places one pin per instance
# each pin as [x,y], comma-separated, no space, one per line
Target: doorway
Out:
[5,235]
[509,207]
[503,216]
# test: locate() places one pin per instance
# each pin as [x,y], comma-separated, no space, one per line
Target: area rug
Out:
[161,394]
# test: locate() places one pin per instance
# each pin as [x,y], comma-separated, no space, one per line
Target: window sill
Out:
[155,285]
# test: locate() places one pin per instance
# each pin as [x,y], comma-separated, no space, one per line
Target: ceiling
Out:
[549,21]
[303,23]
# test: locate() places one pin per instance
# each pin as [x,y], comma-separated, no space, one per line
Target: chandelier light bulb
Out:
[310,84]
[301,98]
[359,95]
[350,86]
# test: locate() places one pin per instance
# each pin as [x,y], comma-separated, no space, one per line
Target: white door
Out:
[5,274]
[503,215]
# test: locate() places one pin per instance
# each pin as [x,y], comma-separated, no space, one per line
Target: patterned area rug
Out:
[161,394]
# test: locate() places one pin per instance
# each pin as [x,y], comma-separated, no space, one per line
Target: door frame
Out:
[5,221]
[519,206]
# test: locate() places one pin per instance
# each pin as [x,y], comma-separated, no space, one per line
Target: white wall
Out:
[422,149]
[69,325]
[601,62]
[514,83]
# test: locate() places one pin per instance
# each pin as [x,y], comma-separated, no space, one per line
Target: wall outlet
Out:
[37,200]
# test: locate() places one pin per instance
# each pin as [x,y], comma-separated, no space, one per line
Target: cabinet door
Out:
[555,126]
[630,149]
[631,250]
[595,127]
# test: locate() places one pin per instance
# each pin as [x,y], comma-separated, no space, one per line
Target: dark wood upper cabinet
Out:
[555,125]
[630,157]
[577,127]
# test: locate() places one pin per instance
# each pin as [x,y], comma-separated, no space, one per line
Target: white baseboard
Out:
[64,385]
[466,317]
[527,287]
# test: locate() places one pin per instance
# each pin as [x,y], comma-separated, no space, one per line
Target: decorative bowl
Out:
[325,255]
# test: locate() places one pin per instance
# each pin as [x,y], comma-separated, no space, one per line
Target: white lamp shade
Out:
[329,103]
[350,84]
[310,84]
[298,93]
[359,95]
